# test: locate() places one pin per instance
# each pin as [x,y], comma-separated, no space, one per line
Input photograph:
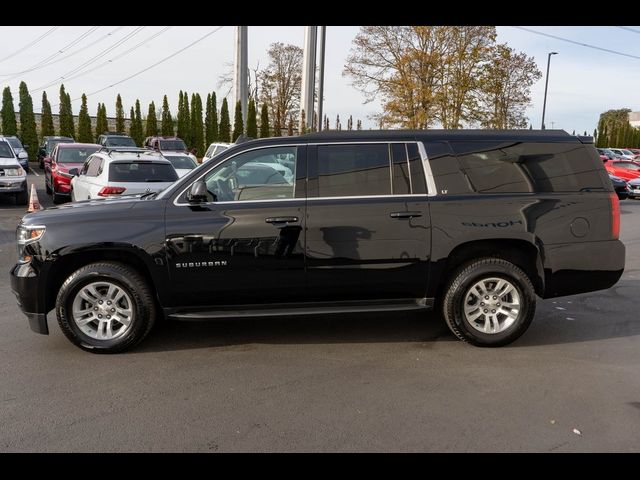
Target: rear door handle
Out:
[405,214]
[281,219]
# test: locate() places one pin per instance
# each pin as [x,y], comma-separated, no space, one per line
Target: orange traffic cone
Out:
[34,203]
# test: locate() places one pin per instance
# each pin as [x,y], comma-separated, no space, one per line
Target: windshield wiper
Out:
[148,194]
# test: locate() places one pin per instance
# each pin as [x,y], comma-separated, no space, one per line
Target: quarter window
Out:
[93,167]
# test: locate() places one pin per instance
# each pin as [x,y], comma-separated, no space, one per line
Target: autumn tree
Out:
[120,124]
[28,133]
[151,128]
[224,133]
[46,119]
[167,121]
[8,113]
[252,121]
[506,91]
[264,121]
[85,135]
[281,82]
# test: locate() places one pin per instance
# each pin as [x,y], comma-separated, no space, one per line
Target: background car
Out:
[169,145]
[620,186]
[65,156]
[17,146]
[623,153]
[634,188]
[46,147]
[13,178]
[624,169]
[116,140]
[182,163]
[112,172]
[215,149]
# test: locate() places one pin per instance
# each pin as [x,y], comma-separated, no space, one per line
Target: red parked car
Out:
[65,156]
[625,169]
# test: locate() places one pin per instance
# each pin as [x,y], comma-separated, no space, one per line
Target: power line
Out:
[108,62]
[30,44]
[153,65]
[92,59]
[595,47]
[89,45]
[630,29]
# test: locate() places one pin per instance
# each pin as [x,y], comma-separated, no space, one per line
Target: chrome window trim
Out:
[428,173]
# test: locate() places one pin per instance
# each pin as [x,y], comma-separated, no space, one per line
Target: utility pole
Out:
[546,84]
[309,74]
[241,72]
[323,35]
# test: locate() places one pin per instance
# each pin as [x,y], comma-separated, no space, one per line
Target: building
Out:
[634,119]
[111,121]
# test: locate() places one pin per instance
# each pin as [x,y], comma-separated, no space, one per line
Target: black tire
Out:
[47,187]
[57,199]
[22,198]
[128,279]
[463,280]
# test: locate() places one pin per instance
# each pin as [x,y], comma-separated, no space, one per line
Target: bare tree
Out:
[226,80]
[281,82]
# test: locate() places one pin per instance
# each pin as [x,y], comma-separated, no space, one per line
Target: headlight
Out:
[27,234]
[14,172]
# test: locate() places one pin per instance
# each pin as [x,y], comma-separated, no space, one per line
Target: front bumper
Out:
[24,284]
[10,185]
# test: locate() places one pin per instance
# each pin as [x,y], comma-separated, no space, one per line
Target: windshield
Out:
[14,142]
[141,172]
[172,145]
[5,150]
[629,165]
[120,142]
[75,155]
[182,162]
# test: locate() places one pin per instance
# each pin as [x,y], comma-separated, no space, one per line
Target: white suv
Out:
[13,178]
[113,172]
[214,149]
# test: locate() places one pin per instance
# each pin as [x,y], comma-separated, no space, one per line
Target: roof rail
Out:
[138,150]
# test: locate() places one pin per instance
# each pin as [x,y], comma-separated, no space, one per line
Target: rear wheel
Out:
[57,199]
[47,187]
[489,302]
[105,307]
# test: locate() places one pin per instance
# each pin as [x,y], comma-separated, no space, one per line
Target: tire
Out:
[120,336]
[57,199]
[47,187]
[22,198]
[461,304]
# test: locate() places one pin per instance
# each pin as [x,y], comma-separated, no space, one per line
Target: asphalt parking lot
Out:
[379,382]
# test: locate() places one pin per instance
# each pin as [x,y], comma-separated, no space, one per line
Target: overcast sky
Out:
[583,82]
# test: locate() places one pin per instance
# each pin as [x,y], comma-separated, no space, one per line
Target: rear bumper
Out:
[582,267]
[24,284]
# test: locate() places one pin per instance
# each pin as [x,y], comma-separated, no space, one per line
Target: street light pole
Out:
[546,84]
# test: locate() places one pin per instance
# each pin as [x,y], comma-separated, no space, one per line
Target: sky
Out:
[583,82]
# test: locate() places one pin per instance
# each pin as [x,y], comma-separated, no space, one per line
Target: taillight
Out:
[106,191]
[615,216]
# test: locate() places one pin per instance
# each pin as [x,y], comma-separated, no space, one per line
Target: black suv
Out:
[116,140]
[47,146]
[476,223]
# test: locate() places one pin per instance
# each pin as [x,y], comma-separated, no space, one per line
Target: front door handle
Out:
[281,219]
[405,214]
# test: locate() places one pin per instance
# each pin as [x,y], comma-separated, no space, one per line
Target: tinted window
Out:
[209,152]
[262,174]
[446,172]
[182,162]
[418,183]
[516,167]
[5,150]
[141,172]
[119,142]
[400,169]
[627,165]
[172,145]
[94,167]
[352,170]
[74,155]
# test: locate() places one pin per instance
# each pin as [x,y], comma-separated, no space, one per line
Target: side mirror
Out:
[42,152]
[74,172]
[197,193]
[23,155]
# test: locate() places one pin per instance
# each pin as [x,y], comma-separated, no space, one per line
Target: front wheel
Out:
[105,307]
[489,302]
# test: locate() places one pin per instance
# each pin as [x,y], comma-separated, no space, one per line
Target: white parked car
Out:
[623,153]
[108,173]
[181,162]
[169,146]
[215,149]
[13,178]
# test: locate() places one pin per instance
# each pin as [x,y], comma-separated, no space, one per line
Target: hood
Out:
[9,162]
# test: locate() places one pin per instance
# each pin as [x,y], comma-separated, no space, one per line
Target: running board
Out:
[301,309]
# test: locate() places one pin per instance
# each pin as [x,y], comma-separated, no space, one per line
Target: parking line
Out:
[34,172]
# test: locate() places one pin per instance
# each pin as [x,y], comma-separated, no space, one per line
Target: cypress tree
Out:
[224,134]
[252,121]
[9,124]
[277,128]
[152,121]
[595,136]
[214,118]
[72,124]
[181,127]
[132,124]
[139,137]
[46,119]
[188,136]
[28,133]
[264,121]
[167,121]
[303,123]
[208,134]
[67,128]
[238,124]
[102,124]
[197,127]
[193,120]
[359,125]
[120,124]
[85,135]
[290,126]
